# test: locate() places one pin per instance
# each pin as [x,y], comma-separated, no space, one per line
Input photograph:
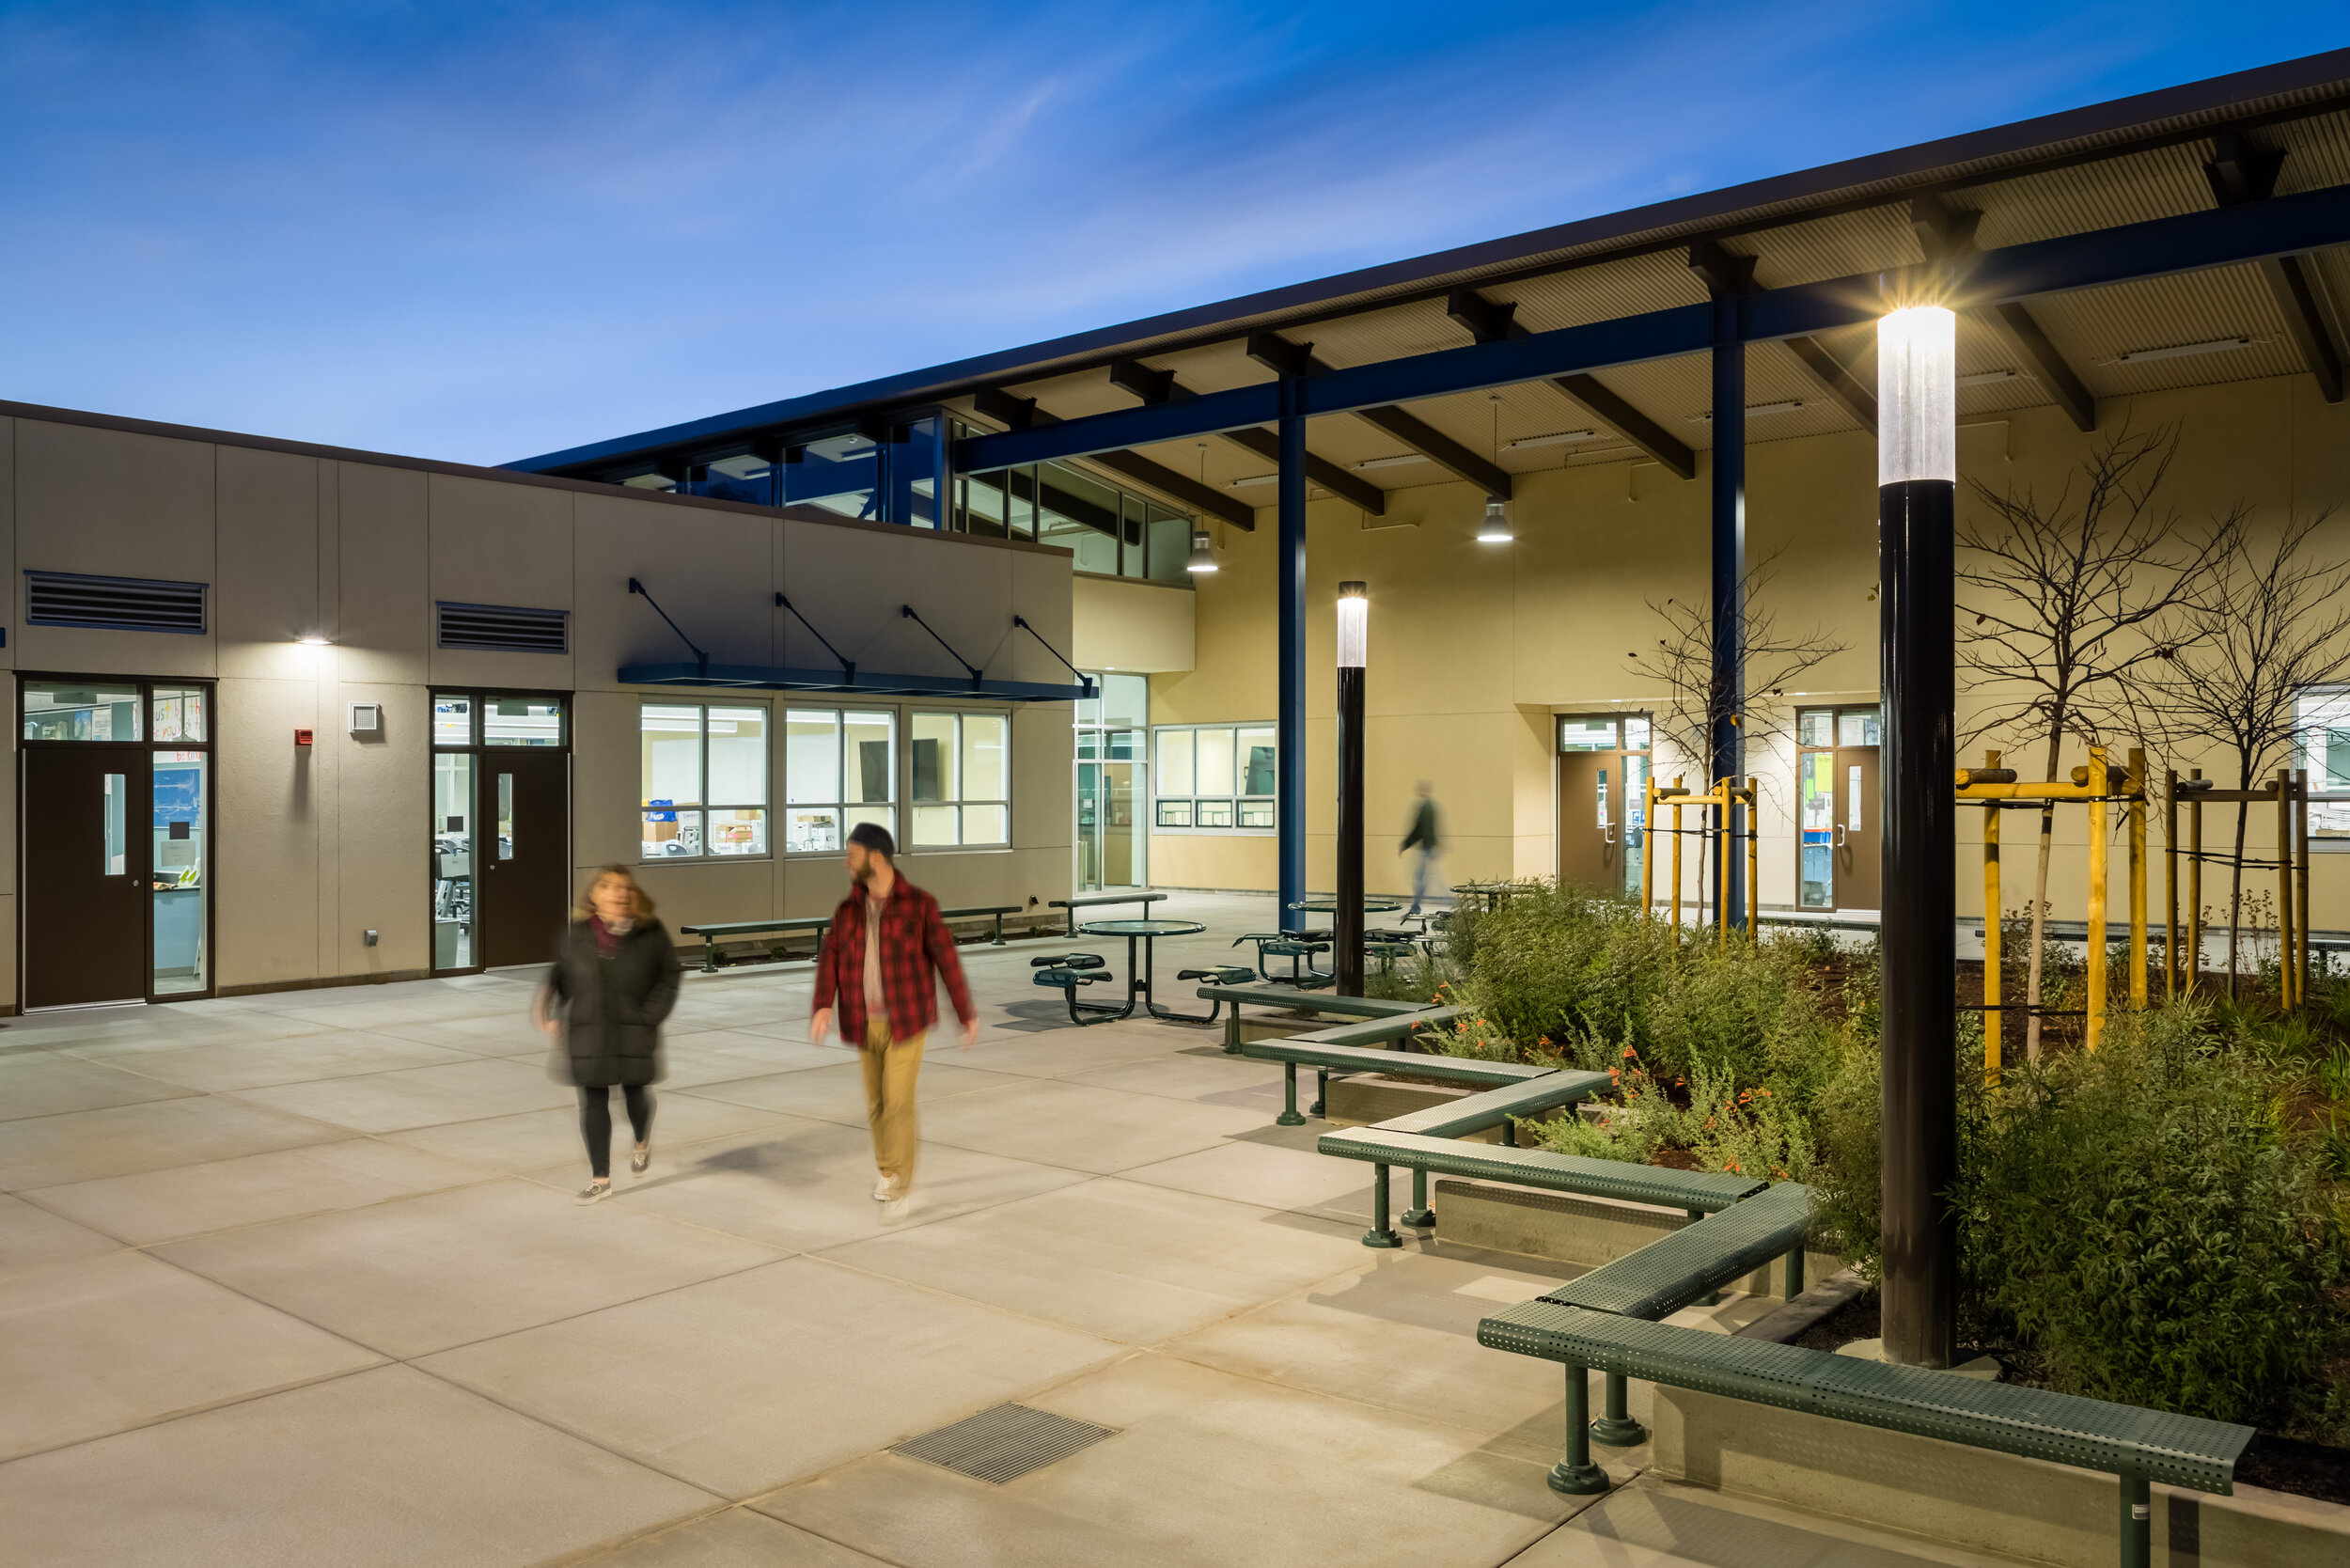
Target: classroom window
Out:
[961,779]
[840,769]
[703,774]
[1218,775]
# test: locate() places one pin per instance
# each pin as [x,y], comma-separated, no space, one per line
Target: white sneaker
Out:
[881,1190]
[901,1203]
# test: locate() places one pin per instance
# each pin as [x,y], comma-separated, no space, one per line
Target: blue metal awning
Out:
[862,682]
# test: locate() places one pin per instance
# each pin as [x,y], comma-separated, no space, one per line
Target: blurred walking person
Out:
[883,958]
[613,984]
[1422,837]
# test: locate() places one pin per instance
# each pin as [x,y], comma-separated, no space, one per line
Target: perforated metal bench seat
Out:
[2117,1440]
[1374,1059]
[1696,1261]
[1518,1102]
[1236,974]
[1070,970]
[1287,996]
[1703,1190]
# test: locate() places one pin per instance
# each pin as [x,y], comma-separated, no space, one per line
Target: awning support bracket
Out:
[700,658]
[1083,679]
[848,666]
[907,610]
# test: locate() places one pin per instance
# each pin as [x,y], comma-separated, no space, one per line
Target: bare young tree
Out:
[1697,698]
[2058,600]
[2235,662]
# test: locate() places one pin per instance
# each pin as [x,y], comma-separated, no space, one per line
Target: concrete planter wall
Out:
[1361,1102]
[1972,1498]
[1587,1230]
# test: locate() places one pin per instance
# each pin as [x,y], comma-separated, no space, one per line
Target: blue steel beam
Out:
[2190,241]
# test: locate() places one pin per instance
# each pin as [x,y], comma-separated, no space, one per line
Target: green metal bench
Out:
[1695,1192]
[2141,1447]
[714,961]
[1289,1000]
[1096,900]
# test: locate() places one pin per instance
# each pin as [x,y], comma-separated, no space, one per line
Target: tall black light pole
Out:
[1346,934]
[1917,486]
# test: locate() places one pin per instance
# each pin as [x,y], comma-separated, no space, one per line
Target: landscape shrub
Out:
[2146,1219]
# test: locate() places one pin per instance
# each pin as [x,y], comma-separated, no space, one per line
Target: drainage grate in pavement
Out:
[1005,1443]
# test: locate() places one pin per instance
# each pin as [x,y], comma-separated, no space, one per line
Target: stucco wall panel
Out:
[265,860]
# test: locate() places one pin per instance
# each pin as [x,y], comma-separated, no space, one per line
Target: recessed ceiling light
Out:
[1559,439]
[1986,378]
[1392,461]
[2181,350]
[1788,407]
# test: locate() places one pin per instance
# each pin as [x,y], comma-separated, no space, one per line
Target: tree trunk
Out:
[2040,903]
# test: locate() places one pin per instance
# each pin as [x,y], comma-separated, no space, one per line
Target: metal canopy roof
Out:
[2081,174]
[844,683]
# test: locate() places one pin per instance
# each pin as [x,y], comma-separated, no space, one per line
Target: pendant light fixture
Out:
[1495,528]
[1203,560]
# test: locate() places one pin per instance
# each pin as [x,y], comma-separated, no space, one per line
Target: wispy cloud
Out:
[479,231]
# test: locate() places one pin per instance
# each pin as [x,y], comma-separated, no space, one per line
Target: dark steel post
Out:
[1728,461]
[1917,811]
[1346,926]
[1290,597]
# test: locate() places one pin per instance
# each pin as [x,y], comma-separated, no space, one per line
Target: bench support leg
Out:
[1509,1133]
[1322,1092]
[1575,1475]
[1289,1116]
[709,955]
[1380,1234]
[1419,1215]
[2138,1523]
[1617,1429]
[1232,1031]
[1794,1271]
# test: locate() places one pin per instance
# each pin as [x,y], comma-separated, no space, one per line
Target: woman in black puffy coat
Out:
[614,981]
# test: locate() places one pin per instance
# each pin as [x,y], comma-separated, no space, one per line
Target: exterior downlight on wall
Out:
[331,583]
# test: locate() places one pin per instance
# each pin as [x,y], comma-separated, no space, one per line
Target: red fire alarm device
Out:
[302,737]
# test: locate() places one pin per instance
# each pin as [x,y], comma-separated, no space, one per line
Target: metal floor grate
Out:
[1005,1443]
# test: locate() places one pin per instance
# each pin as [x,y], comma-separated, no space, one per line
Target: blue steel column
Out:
[1290,806]
[1728,467]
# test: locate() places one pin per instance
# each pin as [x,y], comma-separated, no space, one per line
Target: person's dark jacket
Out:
[613,1007]
[1424,833]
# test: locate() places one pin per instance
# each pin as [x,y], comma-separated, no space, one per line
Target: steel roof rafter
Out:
[1491,321]
[1160,386]
[2188,241]
[1020,414]
[1282,357]
[1728,272]
[1947,236]
[2242,174]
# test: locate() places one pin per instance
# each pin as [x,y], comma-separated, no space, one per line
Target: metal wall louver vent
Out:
[504,629]
[113,603]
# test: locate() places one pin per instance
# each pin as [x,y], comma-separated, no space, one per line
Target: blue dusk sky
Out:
[483,231]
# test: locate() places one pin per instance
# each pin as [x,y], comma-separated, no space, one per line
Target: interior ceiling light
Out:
[2181,350]
[1495,528]
[1392,461]
[1254,478]
[1787,407]
[1523,441]
[1203,560]
[1986,378]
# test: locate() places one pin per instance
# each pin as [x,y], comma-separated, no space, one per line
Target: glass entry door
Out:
[1603,801]
[1113,731]
[1838,838]
[115,835]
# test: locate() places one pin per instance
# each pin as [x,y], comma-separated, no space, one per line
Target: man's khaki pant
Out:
[890,1069]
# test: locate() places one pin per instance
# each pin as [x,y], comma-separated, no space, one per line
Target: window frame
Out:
[840,808]
[962,800]
[705,810]
[2309,755]
[1241,803]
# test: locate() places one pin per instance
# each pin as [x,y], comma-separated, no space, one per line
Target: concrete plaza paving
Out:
[296,1279]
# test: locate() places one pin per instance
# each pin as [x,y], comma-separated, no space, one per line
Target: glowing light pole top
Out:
[1917,395]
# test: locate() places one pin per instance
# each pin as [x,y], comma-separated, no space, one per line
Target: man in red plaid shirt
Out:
[882,957]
